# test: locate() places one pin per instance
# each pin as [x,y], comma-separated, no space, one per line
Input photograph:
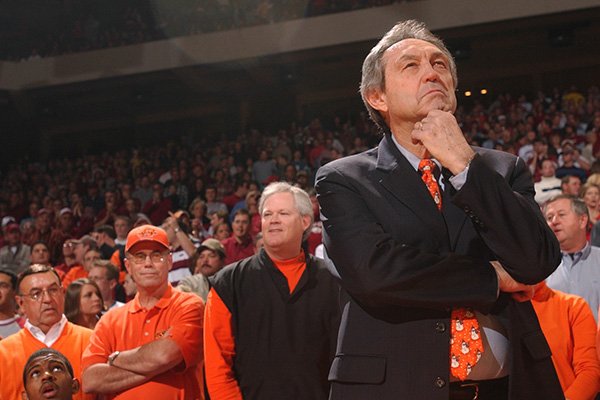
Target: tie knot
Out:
[427,165]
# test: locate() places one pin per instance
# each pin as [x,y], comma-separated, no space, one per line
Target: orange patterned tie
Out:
[426,167]
[466,346]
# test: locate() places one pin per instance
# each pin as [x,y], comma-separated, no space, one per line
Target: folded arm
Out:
[105,379]
[509,220]
[380,269]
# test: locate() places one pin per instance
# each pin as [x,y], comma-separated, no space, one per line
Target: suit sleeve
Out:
[378,270]
[509,221]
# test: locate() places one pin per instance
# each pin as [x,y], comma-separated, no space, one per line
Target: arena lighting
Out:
[484,91]
[468,93]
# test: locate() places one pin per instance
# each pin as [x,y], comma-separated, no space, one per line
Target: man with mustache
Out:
[435,243]
[41,298]
[208,260]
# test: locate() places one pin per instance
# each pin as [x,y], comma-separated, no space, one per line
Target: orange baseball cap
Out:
[147,233]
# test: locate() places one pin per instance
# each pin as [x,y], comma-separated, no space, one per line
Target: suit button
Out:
[439,382]
[440,327]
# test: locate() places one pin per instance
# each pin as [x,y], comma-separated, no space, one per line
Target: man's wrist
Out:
[468,163]
[111,358]
[461,165]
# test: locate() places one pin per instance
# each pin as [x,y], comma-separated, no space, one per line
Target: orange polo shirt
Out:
[219,343]
[570,329]
[131,326]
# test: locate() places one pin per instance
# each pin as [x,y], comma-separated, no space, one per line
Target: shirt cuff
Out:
[457,181]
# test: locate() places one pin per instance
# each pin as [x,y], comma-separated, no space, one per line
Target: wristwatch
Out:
[112,357]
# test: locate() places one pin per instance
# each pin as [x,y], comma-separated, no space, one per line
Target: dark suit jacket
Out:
[405,265]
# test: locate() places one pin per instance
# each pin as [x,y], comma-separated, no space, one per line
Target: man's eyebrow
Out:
[438,53]
[411,56]
[405,57]
[32,366]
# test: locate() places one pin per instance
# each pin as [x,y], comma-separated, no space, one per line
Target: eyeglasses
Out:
[155,257]
[38,294]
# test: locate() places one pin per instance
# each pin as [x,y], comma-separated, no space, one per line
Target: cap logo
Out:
[147,233]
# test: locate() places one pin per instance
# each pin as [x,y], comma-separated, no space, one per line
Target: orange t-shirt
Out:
[219,343]
[16,349]
[76,272]
[131,326]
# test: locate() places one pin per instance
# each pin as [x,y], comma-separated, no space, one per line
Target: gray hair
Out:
[301,200]
[373,76]
[577,205]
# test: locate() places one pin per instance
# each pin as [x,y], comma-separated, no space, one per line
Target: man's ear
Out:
[24,395]
[306,222]
[126,262]
[584,221]
[75,386]
[377,99]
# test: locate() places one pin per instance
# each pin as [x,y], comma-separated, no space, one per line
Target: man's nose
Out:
[46,298]
[429,73]
[47,376]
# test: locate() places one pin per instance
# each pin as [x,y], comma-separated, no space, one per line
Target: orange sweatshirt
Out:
[570,329]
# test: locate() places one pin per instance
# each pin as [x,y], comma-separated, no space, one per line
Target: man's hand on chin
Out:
[440,134]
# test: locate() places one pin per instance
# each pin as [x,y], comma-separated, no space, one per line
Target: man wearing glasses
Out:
[41,298]
[151,348]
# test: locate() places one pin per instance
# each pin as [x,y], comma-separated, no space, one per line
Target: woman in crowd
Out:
[590,194]
[83,303]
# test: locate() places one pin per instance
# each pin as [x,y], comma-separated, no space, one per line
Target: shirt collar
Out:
[53,333]
[163,302]
[410,157]
[579,255]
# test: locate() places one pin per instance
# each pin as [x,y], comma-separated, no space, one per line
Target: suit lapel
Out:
[402,182]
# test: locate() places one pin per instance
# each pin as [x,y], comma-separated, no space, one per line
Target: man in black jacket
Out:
[271,319]
[415,249]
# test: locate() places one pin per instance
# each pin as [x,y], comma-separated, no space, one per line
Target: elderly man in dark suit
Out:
[426,256]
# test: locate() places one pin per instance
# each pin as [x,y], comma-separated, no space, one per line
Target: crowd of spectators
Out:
[205,179]
[70,27]
[72,218]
